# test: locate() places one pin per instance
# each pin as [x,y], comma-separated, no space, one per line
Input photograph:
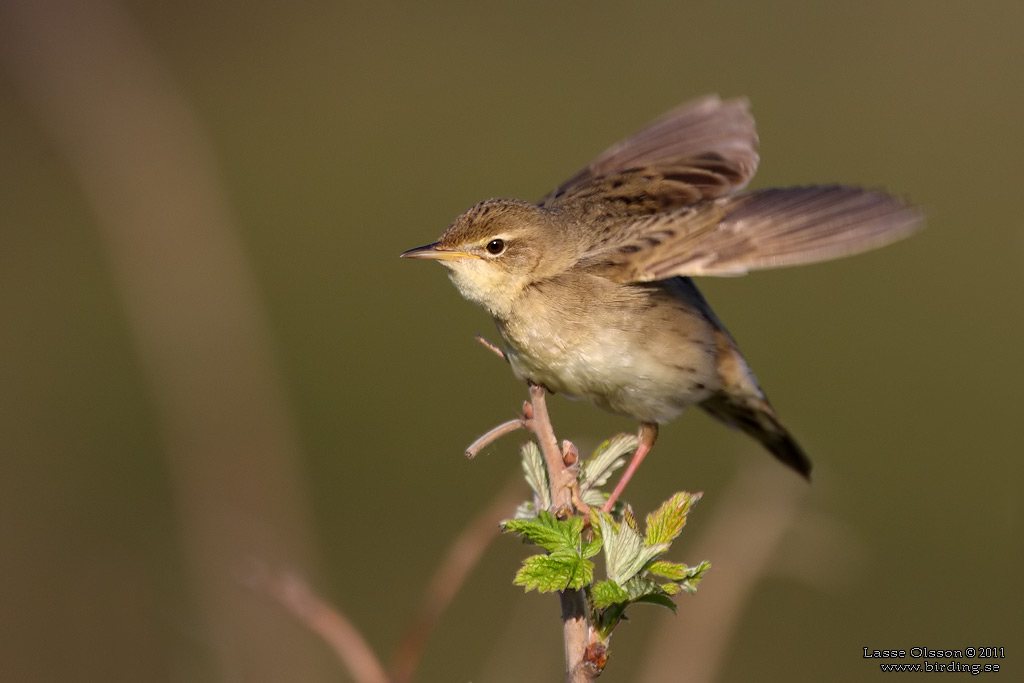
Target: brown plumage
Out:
[590,288]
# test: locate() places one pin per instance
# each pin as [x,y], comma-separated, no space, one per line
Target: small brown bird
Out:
[590,288]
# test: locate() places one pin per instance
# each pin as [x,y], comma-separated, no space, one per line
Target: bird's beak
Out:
[432,251]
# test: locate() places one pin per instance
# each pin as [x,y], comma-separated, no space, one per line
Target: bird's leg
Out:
[648,434]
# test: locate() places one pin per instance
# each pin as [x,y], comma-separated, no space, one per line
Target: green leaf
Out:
[548,532]
[567,565]
[625,552]
[694,576]
[659,599]
[611,600]
[681,576]
[641,586]
[608,457]
[592,547]
[669,570]
[554,572]
[605,620]
[665,523]
[607,593]
[536,474]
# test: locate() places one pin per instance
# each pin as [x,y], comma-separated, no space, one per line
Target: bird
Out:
[591,287]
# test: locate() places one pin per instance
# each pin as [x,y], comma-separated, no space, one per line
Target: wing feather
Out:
[704,149]
[755,230]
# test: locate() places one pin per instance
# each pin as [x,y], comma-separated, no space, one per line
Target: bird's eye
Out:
[495,247]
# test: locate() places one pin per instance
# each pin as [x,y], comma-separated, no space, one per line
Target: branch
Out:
[492,347]
[493,435]
[575,628]
[536,420]
[309,609]
[340,634]
[99,92]
[582,662]
[463,554]
[560,476]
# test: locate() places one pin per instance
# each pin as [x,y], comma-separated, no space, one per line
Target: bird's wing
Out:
[758,229]
[704,149]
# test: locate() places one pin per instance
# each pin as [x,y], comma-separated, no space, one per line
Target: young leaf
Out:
[659,599]
[594,498]
[557,571]
[641,586]
[680,575]
[608,457]
[693,577]
[630,519]
[548,532]
[665,523]
[669,570]
[605,620]
[607,593]
[592,547]
[536,474]
[625,552]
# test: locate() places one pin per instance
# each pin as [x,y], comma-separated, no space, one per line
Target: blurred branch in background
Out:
[317,615]
[462,556]
[760,511]
[759,517]
[345,639]
[129,136]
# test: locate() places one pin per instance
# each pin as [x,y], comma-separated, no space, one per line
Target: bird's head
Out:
[497,248]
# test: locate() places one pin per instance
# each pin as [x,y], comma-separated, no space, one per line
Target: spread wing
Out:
[704,149]
[759,229]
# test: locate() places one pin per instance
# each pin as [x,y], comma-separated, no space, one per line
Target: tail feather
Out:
[756,418]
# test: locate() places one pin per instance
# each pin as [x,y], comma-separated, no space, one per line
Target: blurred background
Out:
[210,353]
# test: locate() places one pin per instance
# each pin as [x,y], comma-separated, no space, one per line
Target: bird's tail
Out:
[754,416]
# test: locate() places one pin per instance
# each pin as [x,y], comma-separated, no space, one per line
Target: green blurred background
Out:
[209,351]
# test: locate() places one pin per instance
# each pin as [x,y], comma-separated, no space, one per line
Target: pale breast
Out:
[645,351]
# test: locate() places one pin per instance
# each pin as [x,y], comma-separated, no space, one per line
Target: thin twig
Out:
[313,612]
[493,435]
[462,556]
[493,348]
[577,500]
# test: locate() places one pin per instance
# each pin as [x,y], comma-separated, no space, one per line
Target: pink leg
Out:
[648,434]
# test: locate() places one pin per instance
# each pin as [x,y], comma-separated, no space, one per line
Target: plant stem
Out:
[575,628]
[575,631]
[559,475]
